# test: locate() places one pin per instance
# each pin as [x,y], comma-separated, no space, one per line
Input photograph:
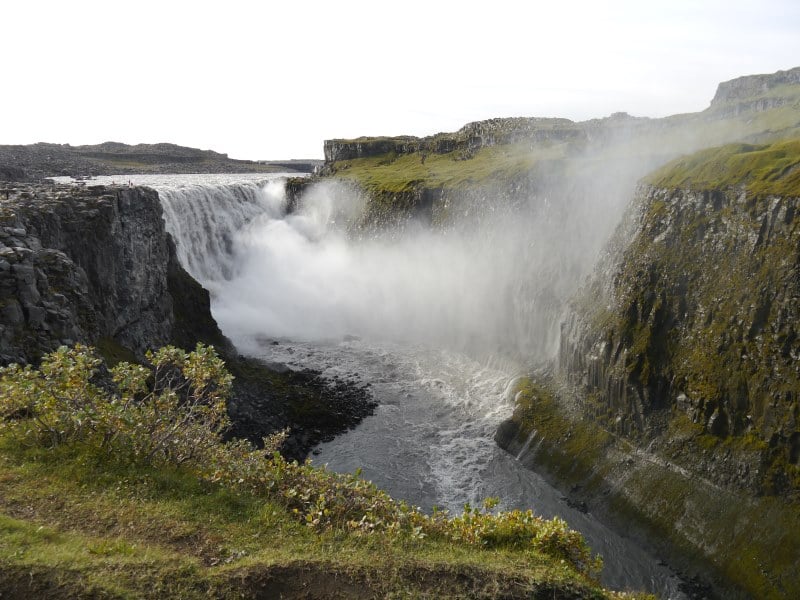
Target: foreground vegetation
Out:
[117,485]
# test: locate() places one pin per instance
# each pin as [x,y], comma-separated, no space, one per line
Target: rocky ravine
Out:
[95,265]
[674,406]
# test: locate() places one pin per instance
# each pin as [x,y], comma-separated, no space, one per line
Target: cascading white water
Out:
[398,314]
[205,219]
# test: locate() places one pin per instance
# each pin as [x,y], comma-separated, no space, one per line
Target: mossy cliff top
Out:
[759,169]
[754,109]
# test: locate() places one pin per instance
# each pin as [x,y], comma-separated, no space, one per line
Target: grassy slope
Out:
[405,172]
[760,169]
[668,136]
[73,524]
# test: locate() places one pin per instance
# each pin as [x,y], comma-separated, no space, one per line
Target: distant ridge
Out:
[41,160]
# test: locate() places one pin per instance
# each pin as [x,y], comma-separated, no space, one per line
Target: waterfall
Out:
[205,219]
[496,282]
[396,312]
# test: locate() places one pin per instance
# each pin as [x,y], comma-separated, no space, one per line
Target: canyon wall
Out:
[87,265]
[673,402]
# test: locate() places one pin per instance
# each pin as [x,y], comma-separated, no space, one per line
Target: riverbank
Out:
[109,507]
[729,544]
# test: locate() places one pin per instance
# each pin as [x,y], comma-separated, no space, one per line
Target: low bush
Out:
[173,411]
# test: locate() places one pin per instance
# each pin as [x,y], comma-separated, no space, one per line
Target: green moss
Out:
[408,172]
[574,448]
[760,169]
[753,543]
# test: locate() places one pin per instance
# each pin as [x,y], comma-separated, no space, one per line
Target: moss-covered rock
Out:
[683,347]
[697,328]
[744,546]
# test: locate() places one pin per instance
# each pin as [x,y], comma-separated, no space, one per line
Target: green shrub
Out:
[174,412]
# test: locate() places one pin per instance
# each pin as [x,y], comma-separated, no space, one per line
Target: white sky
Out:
[269,80]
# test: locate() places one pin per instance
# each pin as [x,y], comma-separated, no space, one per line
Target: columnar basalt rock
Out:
[84,264]
[697,332]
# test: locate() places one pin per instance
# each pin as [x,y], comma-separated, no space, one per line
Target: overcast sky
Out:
[269,80]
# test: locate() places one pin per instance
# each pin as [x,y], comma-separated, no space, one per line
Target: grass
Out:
[78,523]
[134,495]
[766,169]
[406,172]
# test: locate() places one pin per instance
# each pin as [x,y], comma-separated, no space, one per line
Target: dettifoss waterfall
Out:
[439,323]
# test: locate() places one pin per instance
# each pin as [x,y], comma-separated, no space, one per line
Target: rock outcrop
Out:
[466,140]
[674,405]
[755,94]
[751,86]
[84,265]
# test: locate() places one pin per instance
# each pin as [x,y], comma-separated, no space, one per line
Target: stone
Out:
[36,316]
[12,314]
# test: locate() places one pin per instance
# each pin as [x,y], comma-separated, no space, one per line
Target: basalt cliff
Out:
[673,402]
[84,265]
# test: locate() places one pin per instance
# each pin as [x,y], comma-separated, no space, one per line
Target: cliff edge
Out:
[674,403]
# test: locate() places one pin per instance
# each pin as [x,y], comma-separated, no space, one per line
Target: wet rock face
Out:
[82,264]
[693,347]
